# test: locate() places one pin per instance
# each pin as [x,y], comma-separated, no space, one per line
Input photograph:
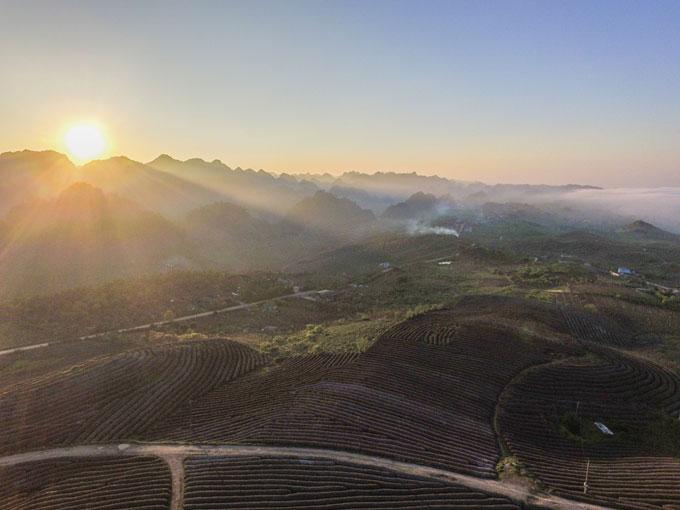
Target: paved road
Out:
[143,327]
[173,454]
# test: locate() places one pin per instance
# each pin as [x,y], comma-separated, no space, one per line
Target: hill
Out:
[402,185]
[643,231]
[329,215]
[489,388]
[26,175]
[417,206]
[159,191]
[83,236]
[231,238]
[255,190]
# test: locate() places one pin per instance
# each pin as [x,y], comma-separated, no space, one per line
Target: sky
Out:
[496,91]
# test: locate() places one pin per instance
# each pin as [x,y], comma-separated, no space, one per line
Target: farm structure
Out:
[625,271]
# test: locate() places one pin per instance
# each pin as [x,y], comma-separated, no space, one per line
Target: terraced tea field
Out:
[279,482]
[115,397]
[545,415]
[425,392]
[420,420]
[133,483]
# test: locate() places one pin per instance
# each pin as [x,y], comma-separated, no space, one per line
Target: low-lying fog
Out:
[660,206]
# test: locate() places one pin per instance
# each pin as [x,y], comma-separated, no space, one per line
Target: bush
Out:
[590,307]
[421,309]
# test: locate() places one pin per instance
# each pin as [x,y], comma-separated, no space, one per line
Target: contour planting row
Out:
[641,319]
[404,399]
[520,311]
[117,397]
[274,482]
[484,311]
[595,328]
[547,420]
[125,483]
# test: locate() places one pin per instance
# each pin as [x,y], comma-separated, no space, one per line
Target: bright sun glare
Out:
[85,142]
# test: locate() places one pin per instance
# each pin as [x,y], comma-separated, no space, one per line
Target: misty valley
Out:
[340,255]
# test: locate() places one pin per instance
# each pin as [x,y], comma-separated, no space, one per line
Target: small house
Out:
[625,271]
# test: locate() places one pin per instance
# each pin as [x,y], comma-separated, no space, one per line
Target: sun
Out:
[85,142]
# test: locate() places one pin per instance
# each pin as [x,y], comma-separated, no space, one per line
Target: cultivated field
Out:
[274,482]
[547,420]
[456,389]
[124,483]
[425,392]
[116,397]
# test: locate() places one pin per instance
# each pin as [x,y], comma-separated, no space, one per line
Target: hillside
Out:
[643,231]
[331,216]
[158,191]
[417,206]
[256,190]
[231,238]
[244,220]
[453,393]
[83,236]
[340,255]
[26,175]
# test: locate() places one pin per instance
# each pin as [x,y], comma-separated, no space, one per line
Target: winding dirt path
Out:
[307,294]
[185,318]
[176,465]
[174,455]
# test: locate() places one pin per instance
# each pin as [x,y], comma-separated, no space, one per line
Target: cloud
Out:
[660,206]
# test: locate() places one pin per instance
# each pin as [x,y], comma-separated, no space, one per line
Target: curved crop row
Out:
[594,328]
[125,483]
[117,397]
[259,483]
[405,398]
[547,420]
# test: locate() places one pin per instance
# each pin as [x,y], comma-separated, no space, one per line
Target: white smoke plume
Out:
[418,228]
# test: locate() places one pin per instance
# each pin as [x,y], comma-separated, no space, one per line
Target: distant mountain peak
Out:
[41,156]
[81,188]
[643,229]
[112,159]
[163,158]
[194,161]
[329,213]
[421,197]
[640,224]
[420,205]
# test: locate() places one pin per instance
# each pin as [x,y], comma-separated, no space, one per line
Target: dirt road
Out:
[184,318]
[25,348]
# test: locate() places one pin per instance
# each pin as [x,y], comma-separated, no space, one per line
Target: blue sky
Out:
[498,91]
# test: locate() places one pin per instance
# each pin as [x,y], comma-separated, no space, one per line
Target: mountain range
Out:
[63,225]
[173,187]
